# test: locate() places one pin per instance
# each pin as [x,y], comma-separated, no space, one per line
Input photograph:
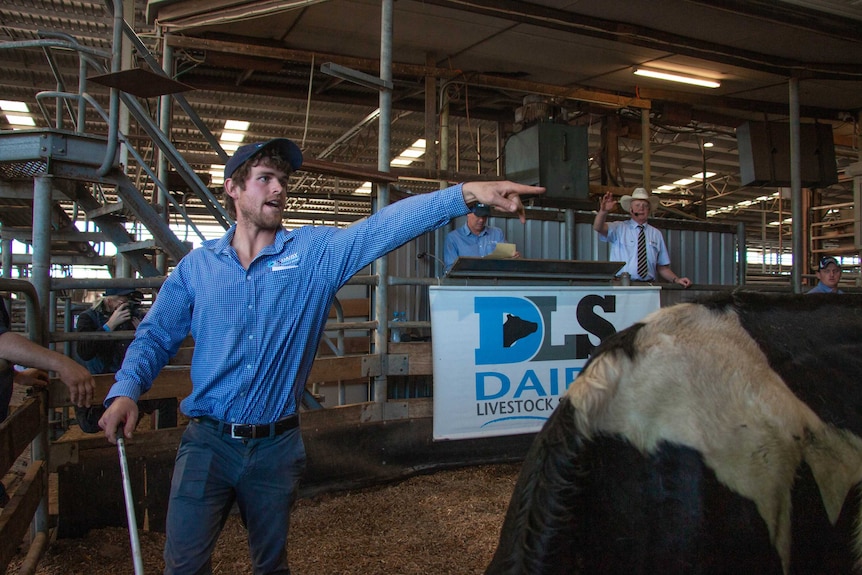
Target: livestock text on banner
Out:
[503,356]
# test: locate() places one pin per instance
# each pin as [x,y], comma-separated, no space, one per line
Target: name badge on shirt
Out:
[286,263]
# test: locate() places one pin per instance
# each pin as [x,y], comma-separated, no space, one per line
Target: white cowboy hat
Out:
[639,194]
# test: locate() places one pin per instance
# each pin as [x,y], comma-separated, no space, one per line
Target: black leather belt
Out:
[248,430]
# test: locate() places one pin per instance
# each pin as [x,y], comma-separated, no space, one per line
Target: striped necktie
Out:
[643,267]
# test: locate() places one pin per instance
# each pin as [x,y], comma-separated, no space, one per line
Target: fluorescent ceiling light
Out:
[410,154]
[13,106]
[19,116]
[699,175]
[667,188]
[216,175]
[19,120]
[708,144]
[684,182]
[782,222]
[236,125]
[232,136]
[677,77]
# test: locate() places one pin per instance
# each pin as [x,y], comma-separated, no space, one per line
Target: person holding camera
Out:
[119,309]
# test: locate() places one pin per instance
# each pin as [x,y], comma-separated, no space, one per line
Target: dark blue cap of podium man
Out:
[481,210]
[286,149]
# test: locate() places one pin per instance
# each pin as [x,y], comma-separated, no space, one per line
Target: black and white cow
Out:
[715,437]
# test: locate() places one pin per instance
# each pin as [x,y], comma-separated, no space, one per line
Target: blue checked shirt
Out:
[256,331]
[623,237]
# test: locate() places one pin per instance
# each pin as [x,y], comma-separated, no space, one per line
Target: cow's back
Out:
[594,503]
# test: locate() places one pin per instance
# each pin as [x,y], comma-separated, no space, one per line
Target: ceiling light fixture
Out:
[677,77]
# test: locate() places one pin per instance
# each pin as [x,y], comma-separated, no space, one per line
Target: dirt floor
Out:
[444,523]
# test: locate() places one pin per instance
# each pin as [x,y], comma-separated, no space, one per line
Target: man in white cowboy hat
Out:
[634,241]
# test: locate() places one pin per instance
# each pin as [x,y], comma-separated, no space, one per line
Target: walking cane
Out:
[130,505]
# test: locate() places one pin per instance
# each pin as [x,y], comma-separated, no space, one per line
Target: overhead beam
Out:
[409,70]
[625,32]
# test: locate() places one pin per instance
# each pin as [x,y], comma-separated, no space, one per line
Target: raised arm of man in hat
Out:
[607,203]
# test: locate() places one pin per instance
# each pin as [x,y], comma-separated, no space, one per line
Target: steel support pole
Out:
[381,267]
[41,267]
[796,188]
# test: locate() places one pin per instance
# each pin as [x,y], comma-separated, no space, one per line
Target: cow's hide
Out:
[714,437]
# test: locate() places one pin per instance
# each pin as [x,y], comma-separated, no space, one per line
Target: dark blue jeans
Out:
[214,470]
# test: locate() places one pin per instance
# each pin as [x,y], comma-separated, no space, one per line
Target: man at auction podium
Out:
[475,239]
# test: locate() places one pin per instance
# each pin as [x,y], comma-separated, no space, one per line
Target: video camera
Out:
[135,305]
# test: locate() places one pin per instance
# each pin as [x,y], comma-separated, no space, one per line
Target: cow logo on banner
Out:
[503,357]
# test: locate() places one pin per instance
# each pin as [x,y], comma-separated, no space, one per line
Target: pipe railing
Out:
[32,408]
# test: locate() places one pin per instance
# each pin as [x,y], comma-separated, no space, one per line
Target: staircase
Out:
[83,170]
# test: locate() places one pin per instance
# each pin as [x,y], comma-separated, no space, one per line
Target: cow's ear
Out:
[835,459]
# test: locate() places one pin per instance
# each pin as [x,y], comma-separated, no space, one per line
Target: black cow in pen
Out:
[710,438]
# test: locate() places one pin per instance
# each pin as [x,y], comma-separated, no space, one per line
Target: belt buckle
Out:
[233,428]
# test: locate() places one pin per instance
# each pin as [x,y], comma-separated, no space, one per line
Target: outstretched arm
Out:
[503,195]
[18,349]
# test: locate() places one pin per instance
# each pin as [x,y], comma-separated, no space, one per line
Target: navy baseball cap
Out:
[124,291]
[826,260]
[286,149]
[482,210]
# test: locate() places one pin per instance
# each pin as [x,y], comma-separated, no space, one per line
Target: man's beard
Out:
[263,220]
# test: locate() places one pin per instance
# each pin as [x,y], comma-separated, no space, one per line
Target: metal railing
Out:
[26,427]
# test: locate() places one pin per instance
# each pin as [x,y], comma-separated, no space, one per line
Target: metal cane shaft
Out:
[130,506]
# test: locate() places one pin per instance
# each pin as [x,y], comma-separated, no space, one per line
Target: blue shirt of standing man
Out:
[475,239]
[256,302]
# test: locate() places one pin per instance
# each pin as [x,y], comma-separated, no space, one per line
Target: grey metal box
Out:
[555,156]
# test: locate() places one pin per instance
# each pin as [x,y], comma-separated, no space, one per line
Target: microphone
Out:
[423,255]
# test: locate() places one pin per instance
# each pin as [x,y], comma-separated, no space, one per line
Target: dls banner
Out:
[504,356]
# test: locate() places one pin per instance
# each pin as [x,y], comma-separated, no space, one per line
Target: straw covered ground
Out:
[447,522]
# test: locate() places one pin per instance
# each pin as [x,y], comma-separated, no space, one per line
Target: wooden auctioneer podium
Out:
[580,271]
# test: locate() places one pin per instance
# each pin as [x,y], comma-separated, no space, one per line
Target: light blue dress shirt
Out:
[463,242]
[256,330]
[623,237]
[822,288]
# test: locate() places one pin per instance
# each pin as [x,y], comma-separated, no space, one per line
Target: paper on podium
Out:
[502,251]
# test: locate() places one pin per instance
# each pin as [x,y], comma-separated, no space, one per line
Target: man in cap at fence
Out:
[634,241]
[475,239]
[256,302]
[828,274]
